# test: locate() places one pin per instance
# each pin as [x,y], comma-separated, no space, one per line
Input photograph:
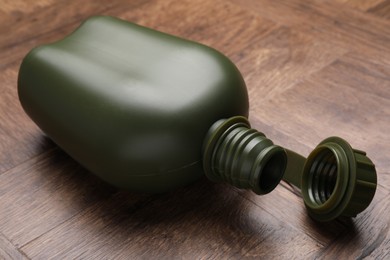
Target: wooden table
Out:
[313,69]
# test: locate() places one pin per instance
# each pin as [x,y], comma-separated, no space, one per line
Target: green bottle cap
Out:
[337,180]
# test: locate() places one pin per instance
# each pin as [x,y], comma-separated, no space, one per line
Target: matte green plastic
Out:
[130,104]
[243,157]
[335,180]
[147,111]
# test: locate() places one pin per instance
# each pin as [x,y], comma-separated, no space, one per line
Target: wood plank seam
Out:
[34,157]
[330,20]
[18,252]
[75,24]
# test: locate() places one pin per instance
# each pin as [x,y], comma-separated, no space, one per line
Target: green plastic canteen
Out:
[151,112]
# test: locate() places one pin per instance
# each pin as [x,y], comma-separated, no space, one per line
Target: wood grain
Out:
[20,139]
[382,9]
[122,227]
[43,24]
[313,69]
[43,201]
[346,27]
[362,5]
[8,250]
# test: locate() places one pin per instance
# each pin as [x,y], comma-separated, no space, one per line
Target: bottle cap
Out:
[337,180]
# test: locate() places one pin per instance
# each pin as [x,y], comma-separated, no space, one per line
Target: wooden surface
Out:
[313,69]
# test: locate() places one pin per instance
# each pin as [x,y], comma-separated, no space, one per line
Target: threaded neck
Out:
[236,154]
